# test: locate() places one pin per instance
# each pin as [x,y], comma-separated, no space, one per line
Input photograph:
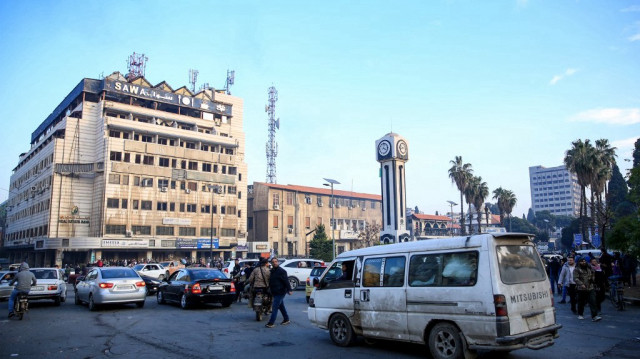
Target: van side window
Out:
[384,272]
[443,269]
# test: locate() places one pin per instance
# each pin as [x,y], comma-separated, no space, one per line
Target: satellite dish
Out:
[278,124]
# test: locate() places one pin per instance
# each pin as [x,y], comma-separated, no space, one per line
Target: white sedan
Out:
[50,285]
[153,270]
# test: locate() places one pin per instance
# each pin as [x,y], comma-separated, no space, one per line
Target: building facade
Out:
[282,218]
[123,169]
[554,189]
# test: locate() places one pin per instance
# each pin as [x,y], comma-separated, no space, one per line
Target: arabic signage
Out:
[74,219]
[577,240]
[127,88]
[177,221]
[124,243]
[199,243]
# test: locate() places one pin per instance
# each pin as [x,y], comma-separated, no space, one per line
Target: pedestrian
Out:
[600,284]
[626,269]
[634,269]
[280,286]
[67,272]
[584,278]
[566,279]
[606,260]
[554,273]
[563,261]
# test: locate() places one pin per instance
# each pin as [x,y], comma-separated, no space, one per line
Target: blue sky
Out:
[504,84]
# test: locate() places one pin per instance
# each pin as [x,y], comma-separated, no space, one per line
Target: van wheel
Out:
[293,281]
[445,342]
[340,331]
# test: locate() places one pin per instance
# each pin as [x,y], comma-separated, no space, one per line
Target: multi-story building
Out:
[282,217]
[123,169]
[554,189]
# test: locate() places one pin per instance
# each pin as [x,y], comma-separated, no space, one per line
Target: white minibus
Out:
[456,295]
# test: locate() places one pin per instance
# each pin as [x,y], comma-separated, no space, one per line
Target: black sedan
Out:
[151,284]
[190,286]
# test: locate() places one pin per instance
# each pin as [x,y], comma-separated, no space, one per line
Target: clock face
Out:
[384,148]
[402,148]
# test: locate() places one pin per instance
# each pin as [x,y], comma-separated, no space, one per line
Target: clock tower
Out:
[392,151]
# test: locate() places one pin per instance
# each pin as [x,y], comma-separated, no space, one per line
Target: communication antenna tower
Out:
[193,77]
[231,76]
[136,65]
[272,145]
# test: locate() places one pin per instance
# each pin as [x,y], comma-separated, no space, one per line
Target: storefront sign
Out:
[124,243]
[200,243]
[74,219]
[177,221]
[242,248]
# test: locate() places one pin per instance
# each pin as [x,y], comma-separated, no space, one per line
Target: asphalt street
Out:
[166,331]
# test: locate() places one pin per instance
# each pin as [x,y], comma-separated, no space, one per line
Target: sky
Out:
[504,84]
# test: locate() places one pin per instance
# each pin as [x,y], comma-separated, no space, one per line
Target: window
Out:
[206,167]
[224,170]
[146,182]
[127,157]
[319,200]
[391,276]
[125,202]
[276,200]
[289,199]
[163,183]
[145,205]
[181,207]
[163,162]
[115,156]
[191,207]
[307,222]
[144,230]
[113,203]
[187,231]
[443,269]
[115,229]
[164,231]
[193,165]
[161,206]
[275,221]
[173,184]
[174,163]
[231,189]
[215,168]
[319,222]
[113,133]
[231,210]
[228,232]
[135,204]
[114,179]
[148,160]
[172,207]
[205,208]
[519,264]
[373,205]
[192,186]
[162,141]
[289,222]
[136,180]
[146,138]
[233,170]
[190,145]
[125,180]
[223,210]
[138,159]
[207,232]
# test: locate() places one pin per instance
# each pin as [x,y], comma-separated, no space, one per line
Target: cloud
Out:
[567,73]
[635,37]
[624,150]
[633,8]
[610,116]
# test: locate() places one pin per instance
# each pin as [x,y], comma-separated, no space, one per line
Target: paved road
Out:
[166,331]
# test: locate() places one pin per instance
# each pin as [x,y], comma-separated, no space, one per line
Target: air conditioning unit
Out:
[128,234]
[364,208]
[290,230]
[276,206]
[187,191]
[338,205]
[219,189]
[163,189]
[320,204]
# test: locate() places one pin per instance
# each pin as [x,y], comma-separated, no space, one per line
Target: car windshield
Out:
[138,267]
[119,273]
[165,264]
[44,273]
[315,272]
[207,274]
[520,264]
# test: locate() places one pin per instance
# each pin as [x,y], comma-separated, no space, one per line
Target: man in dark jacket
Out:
[25,280]
[279,285]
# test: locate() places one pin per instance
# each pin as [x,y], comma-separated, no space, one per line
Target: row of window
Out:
[168,231]
[337,201]
[31,191]
[556,175]
[29,233]
[173,142]
[41,206]
[173,163]
[123,203]
[551,193]
[340,223]
[37,168]
[171,184]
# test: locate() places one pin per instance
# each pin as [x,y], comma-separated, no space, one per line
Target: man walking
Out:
[566,279]
[584,277]
[279,284]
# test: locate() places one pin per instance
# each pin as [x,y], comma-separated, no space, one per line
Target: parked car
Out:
[151,284]
[5,288]
[50,285]
[106,285]
[298,269]
[228,265]
[313,280]
[171,266]
[155,270]
[191,286]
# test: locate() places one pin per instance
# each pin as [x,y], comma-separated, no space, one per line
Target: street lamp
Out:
[212,189]
[548,231]
[486,213]
[451,203]
[333,223]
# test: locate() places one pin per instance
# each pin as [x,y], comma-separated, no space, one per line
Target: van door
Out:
[381,297]
[523,282]
[335,293]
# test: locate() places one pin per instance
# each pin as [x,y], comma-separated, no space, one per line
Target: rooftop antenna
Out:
[272,145]
[193,77]
[204,86]
[231,76]
[136,65]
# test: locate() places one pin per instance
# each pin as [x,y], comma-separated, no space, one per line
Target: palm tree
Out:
[460,173]
[510,201]
[498,195]
[481,193]
[605,160]
[469,196]
[580,160]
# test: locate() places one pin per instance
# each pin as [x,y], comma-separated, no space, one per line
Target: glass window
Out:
[145,205]
[519,264]
[113,202]
[384,272]
[187,231]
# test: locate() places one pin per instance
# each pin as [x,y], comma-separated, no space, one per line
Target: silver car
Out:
[106,285]
[5,288]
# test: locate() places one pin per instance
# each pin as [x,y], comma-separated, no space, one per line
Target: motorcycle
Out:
[21,305]
[262,303]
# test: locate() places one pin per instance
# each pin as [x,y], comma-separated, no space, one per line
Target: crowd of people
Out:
[584,279]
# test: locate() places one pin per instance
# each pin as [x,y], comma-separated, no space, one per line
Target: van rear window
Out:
[519,264]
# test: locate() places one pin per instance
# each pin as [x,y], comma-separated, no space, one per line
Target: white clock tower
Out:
[392,152]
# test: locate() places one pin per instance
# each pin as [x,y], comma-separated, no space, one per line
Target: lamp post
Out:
[548,231]
[451,203]
[486,213]
[333,223]
[212,189]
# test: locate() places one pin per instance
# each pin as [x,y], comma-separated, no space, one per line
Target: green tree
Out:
[481,192]
[320,246]
[498,195]
[636,154]
[580,160]
[460,174]
[567,233]
[617,196]
[510,201]
[531,216]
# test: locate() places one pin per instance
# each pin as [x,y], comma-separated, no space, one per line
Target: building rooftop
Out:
[323,191]
[431,217]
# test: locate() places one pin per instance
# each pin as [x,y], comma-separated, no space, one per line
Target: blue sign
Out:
[200,243]
[595,240]
[577,240]
[204,243]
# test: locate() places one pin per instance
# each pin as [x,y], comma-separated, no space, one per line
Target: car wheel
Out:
[78,301]
[140,304]
[293,281]
[226,303]
[183,302]
[56,301]
[160,298]
[259,315]
[445,342]
[340,331]
[92,305]
[161,277]
[63,296]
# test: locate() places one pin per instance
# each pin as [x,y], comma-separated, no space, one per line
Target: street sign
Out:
[577,240]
